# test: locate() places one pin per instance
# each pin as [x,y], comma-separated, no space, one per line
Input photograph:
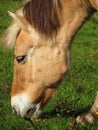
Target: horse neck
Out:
[75,14]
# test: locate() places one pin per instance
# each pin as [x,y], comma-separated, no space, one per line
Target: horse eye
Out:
[21,59]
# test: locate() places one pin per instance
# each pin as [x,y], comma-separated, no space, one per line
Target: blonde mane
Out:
[10,35]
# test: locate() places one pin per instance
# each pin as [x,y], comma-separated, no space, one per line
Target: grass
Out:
[76,93]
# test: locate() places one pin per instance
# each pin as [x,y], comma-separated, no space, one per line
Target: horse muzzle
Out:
[24,108]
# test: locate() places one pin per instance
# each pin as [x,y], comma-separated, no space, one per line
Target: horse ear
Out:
[18,23]
[18,20]
[9,37]
[12,15]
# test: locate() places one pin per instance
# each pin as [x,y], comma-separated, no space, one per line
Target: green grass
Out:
[76,93]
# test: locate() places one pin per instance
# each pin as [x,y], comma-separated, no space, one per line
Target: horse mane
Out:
[9,37]
[43,15]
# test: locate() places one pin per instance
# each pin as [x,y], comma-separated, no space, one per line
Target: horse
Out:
[41,33]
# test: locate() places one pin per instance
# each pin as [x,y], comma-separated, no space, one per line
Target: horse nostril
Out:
[30,112]
[14,111]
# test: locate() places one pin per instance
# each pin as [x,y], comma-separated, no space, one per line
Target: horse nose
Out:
[21,105]
[15,112]
[25,113]
[34,112]
[30,112]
